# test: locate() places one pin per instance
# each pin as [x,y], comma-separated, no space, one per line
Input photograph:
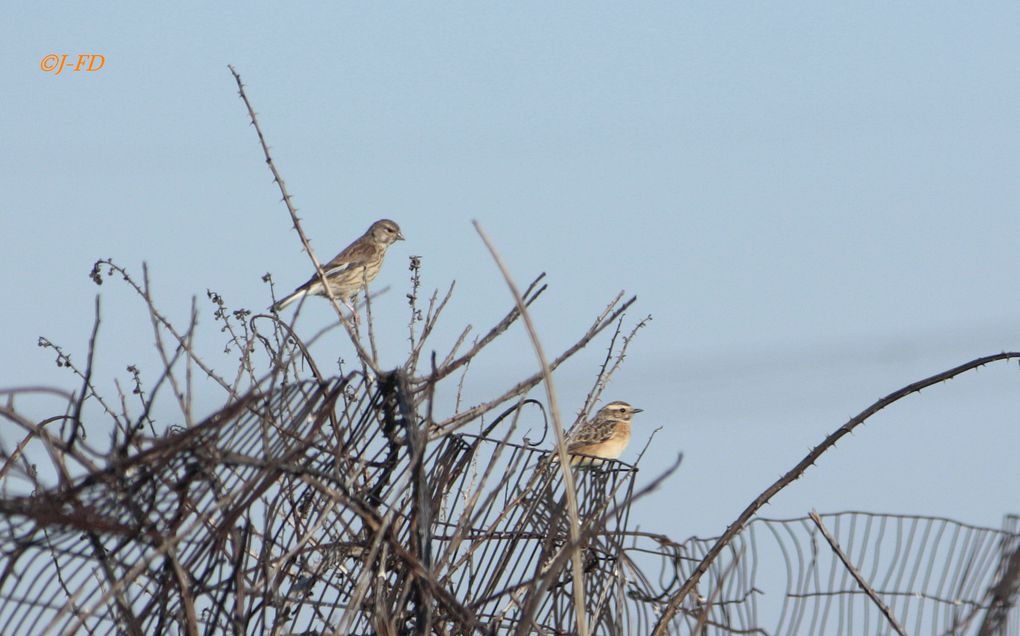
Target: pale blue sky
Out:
[817,204]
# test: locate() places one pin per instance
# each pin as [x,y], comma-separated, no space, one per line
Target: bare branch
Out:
[857,575]
[794,473]
[278,179]
[561,444]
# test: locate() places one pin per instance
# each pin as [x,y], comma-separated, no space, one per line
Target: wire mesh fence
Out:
[937,576]
[346,505]
[309,510]
[324,505]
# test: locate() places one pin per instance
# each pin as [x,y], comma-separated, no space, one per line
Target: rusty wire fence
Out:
[347,505]
[306,504]
[307,511]
[935,575]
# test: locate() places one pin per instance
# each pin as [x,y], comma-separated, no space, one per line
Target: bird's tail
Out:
[298,293]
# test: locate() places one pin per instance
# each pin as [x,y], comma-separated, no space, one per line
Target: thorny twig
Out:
[366,359]
[794,473]
[606,371]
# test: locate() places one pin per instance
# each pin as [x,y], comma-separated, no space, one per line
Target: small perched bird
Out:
[605,436]
[350,270]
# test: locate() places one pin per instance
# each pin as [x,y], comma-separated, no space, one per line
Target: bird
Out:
[605,436]
[353,268]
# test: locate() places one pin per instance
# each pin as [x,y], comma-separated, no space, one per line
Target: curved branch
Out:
[561,448]
[674,603]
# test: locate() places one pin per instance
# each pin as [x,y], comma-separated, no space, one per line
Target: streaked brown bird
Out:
[350,270]
[605,436]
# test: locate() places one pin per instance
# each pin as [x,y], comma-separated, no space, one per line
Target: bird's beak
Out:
[400,236]
[636,410]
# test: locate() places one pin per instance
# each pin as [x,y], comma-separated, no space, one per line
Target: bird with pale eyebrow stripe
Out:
[605,436]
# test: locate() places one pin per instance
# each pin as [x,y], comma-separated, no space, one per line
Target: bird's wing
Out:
[340,267]
[589,434]
[355,255]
